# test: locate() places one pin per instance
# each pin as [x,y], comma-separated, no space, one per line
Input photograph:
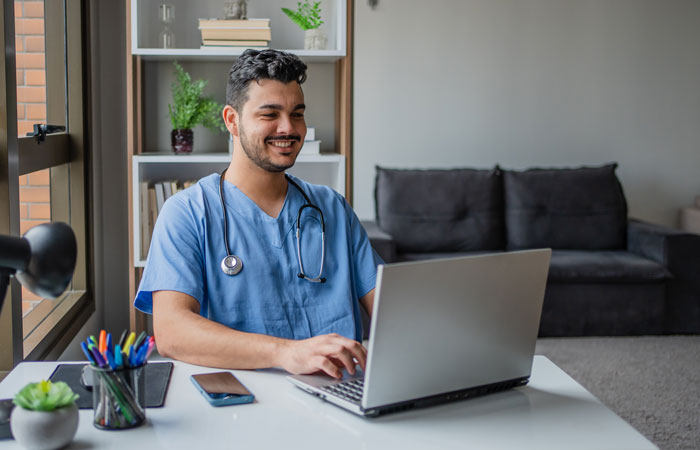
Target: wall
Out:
[529,83]
[108,141]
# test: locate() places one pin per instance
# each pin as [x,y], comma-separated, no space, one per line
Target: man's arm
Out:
[368,302]
[181,333]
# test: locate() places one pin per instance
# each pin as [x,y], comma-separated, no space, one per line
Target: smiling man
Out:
[253,267]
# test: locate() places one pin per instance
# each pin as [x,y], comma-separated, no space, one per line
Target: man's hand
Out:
[329,353]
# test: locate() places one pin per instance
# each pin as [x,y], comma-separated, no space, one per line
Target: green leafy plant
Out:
[189,107]
[45,396]
[307,16]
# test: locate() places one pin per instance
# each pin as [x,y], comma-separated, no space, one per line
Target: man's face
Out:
[272,125]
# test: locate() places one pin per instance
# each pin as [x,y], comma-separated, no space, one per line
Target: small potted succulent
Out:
[189,109]
[308,18]
[45,415]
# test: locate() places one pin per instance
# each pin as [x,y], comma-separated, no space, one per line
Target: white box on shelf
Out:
[311,148]
[310,134]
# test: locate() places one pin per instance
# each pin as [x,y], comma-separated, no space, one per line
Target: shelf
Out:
[285,34]
[226,55]
[324,168]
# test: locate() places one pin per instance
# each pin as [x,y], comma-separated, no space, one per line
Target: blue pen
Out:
[84,346]
[118,356]
[110,359]
[109,341]
[142,355]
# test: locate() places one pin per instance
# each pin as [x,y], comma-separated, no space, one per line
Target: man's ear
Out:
[231,119]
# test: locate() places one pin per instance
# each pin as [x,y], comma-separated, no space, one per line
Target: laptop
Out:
[444,330]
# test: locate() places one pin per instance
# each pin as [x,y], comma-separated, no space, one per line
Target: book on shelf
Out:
[236,34]
[234,23]
[234,43]
[146,227]
[311,148]
[310,134]
[152,207]
[160,196]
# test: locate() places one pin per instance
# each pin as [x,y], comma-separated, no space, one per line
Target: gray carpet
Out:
[651,382]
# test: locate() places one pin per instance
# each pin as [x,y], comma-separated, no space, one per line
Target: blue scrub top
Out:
[266,297]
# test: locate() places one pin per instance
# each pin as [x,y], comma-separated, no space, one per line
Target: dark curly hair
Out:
[259,65]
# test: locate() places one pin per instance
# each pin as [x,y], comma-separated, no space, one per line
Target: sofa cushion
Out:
[581,266]
[573,209]
[453,210]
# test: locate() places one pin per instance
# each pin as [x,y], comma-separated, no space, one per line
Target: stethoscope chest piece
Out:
[231,265]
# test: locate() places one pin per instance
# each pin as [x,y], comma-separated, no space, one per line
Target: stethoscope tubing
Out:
[232,264]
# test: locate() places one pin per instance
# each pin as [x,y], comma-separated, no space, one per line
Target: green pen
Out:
[140,339]
[94,341]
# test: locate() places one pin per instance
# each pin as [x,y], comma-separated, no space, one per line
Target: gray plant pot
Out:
[315,39]
[44,430]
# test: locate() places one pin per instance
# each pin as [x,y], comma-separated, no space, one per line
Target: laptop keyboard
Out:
[348,390]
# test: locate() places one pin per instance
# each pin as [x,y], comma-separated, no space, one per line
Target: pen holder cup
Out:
[118,398]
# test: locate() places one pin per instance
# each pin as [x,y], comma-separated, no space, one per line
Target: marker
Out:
[118,356]
[129,342]
[122,338]
[98,357]
[94,341]
[140,339]
[103,341]
[110,359]
[84,346]
[109,342]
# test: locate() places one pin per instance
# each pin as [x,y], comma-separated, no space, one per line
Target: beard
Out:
[256,152]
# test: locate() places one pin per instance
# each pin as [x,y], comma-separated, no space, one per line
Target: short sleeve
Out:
[365,259]
[175,259]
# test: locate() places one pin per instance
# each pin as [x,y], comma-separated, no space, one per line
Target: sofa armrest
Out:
[382,242]
[677,250]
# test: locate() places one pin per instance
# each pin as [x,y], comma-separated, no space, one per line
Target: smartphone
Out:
[222,388]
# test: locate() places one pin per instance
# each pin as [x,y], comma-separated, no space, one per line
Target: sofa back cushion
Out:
[441,210]
[573,209]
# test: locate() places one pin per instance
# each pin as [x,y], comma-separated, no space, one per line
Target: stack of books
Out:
[235,32]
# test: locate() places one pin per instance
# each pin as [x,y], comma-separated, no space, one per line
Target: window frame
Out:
[68,156]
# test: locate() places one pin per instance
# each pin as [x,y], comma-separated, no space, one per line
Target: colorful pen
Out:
[84,346]
[129,342]
[139,339]
[122,338]
[103,341]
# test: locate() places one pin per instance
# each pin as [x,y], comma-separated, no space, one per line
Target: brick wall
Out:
[34,190]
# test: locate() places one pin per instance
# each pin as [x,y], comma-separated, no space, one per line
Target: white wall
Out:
[529,83]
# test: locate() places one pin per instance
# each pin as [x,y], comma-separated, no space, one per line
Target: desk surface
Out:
[552,411]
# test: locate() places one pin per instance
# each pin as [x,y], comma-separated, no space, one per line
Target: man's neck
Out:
[267,189]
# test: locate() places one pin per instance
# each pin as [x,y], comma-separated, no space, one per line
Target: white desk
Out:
[552,411]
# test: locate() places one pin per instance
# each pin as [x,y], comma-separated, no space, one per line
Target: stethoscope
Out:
[232,264]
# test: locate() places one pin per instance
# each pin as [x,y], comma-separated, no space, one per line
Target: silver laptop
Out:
[444,330]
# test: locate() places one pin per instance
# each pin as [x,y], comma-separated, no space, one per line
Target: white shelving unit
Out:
[149,78]
[327,169]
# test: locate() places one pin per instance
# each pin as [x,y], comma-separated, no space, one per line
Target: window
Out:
[44,181]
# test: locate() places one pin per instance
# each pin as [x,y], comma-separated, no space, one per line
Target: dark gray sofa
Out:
[609,275]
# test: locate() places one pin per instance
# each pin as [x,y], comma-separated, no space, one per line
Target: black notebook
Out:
[157,379]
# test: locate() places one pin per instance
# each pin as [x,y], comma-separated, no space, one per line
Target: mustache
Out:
[284,137]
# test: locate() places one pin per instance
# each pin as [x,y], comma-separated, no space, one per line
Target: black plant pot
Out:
[181,140]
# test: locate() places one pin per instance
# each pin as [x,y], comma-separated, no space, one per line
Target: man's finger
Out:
[327,366]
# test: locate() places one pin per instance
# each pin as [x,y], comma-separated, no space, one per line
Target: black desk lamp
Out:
[42,260]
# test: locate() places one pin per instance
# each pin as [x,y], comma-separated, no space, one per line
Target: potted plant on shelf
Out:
[190,109]
[45,415]
[308,17]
